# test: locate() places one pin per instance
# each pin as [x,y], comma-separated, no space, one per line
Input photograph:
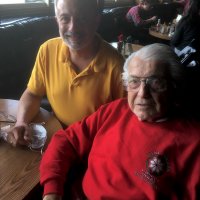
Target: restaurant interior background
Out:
[26,24]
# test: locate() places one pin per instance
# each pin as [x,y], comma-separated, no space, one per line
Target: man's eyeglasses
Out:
[155,84]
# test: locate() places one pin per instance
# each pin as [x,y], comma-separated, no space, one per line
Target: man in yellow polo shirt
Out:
[78,72]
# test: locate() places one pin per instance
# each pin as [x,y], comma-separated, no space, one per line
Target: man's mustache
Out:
[72,34]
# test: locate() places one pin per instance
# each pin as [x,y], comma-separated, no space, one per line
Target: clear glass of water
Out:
[39,137]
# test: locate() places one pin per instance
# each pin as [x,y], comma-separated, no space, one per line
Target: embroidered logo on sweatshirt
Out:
[156,166]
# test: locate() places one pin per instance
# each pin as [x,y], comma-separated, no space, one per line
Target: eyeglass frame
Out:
[147,80]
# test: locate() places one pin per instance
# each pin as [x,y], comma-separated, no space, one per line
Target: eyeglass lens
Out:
[155,84]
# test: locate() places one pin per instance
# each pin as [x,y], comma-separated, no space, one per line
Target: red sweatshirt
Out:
[127,158]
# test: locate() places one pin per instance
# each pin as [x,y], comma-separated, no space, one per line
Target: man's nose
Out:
[73,24]
[144,90]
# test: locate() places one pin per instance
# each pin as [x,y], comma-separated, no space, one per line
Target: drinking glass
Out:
[38,137]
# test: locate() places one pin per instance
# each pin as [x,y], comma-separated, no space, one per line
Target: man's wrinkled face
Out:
[77,22]
[148,92]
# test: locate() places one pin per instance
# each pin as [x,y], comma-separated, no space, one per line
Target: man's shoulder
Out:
[109,57]
[110,52]
[115,109]
[53,46]
[120,103]
[108,47]
[53,42]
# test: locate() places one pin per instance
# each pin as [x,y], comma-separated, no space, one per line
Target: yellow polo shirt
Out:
[73,96]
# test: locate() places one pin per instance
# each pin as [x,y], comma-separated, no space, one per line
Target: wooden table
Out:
[159,35]
[19,166]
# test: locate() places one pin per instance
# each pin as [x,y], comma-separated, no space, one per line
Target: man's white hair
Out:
[158,52]
[100,5]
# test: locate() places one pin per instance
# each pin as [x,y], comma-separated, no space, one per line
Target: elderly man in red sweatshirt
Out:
[140,147]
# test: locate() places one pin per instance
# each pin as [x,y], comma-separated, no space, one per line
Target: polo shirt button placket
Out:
[75,83]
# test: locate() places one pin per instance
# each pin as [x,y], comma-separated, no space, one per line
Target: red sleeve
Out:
[65,148]
[55,163]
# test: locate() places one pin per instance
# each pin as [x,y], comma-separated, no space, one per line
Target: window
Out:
[22,1]
[21,8]
[18,8]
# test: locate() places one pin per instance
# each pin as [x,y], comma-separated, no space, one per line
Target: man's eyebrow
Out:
[153,76]
[63,14]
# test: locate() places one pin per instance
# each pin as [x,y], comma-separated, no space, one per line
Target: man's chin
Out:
[143,116]
[73,45]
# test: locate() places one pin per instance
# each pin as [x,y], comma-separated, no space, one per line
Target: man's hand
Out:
[52,197]
[20,134]
[154,18]
[28,108]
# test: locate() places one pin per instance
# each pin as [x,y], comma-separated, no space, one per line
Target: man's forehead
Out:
[80,6]
[137,64]
[79,2]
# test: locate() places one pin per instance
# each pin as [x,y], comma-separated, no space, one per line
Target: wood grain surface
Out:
[19,167]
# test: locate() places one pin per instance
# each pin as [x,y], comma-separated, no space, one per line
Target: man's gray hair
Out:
[158,52]
[100,5]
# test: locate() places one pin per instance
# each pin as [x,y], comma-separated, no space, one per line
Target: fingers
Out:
[19,135]
[11,140]
[27,134]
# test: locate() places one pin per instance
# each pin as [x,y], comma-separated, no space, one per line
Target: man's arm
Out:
[56,162]
[66,148]
[28,108]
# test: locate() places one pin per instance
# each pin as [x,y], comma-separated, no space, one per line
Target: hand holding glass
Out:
[38,136]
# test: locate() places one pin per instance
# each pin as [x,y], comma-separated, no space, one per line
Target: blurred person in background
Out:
[186,43]
[139,19]
[135,14]
[188,28]
[185,4]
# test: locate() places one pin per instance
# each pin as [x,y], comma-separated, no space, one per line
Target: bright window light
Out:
[11,1]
